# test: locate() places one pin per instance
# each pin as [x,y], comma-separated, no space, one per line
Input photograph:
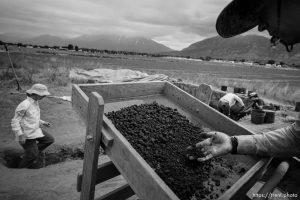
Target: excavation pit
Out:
[12,159]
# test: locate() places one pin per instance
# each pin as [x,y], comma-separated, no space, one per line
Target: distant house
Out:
[63,48]
[278,66]
[248,63]
[29,47]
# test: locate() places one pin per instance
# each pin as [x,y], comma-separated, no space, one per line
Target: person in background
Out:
[281,18]
[26,126]
[256,102]
[230,104]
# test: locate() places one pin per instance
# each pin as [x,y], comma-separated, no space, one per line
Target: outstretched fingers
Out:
[208,153]
[206,142]
[207,147]
[209,156]
[205,152]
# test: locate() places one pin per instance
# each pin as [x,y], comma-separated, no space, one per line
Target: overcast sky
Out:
[174,23]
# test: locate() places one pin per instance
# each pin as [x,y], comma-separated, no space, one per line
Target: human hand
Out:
[22,139]
[216,144]
[47,124]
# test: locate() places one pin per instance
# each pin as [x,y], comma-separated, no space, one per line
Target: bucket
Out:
[270,116]
[224,88]
[242,90]
[236,90]
[297,107]
[258,116]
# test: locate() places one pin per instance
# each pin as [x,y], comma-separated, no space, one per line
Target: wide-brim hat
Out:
[253,94]
[238,17]
[38,89]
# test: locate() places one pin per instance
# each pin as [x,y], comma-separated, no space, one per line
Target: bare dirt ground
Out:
[58,181]
[52,182]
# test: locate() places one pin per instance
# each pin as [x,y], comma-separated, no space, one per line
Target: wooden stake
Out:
[92,144]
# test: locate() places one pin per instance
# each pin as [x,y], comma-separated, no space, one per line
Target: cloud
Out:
[175,23]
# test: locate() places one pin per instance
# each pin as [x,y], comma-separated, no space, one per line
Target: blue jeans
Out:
[32,148]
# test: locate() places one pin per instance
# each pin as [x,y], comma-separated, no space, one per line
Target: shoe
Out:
[36,164]
[14,162]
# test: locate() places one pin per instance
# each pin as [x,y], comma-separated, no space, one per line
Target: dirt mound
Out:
[62,154]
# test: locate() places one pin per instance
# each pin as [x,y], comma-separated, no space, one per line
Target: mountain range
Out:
[102,42]
[248,47]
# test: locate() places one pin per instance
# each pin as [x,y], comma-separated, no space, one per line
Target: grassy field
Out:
[53,68]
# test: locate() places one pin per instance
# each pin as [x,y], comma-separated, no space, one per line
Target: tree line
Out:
[72,47]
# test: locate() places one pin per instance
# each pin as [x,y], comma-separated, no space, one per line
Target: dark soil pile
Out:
[48,158]
[161,136]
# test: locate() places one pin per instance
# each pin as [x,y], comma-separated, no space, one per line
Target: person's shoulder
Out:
[234,95]
[229,94]
[24,105]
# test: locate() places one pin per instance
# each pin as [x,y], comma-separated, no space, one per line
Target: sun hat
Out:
[253,94]
[238,17]
[38,89]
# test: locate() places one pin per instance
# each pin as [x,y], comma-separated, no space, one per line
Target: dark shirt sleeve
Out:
[260,102]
